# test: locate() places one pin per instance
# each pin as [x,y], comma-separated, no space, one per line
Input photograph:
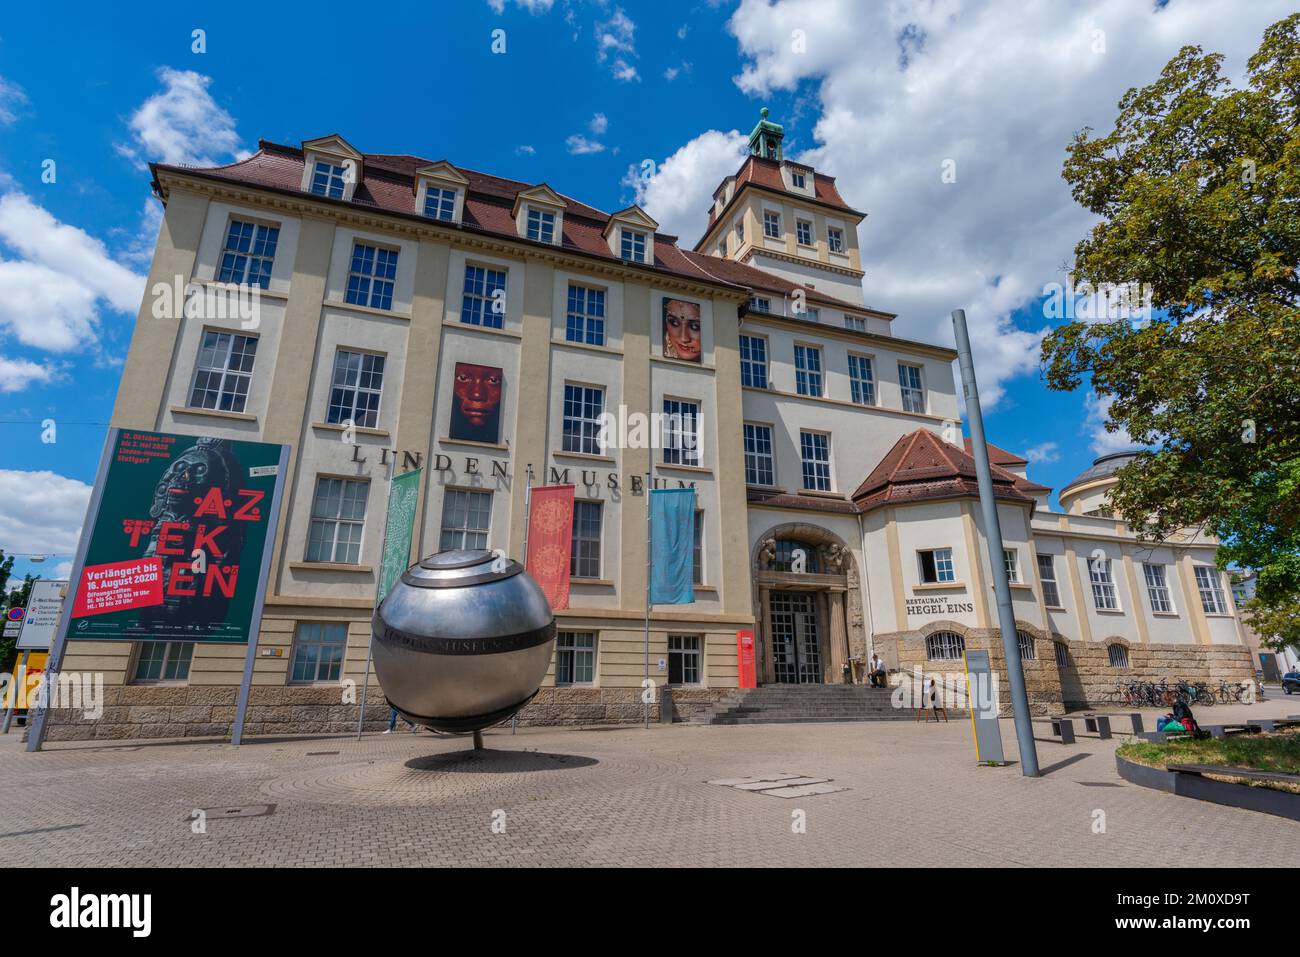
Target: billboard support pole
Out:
[36,733]
[19,684]
[255,619]
[379,586]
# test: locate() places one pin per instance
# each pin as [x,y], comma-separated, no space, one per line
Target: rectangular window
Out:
[856,323]
[575,658]
[585,318]
[759,304]
[936,566]
[370,279]
[753,361]
[685,659]
[835,239]
[1103,585]
[249,254]
[771,224]
[224,372]
[584,560]
[632,245]
[812,315]
[815,453]
[466,519]
[1212,597]
[681,432]
[1157,587]
[583,406]
[697,549]
[440,203]
[760,464]
[338,514]
[163,661]
[799,180]
[909,380]
[1062,654]
[355,389]
[862,384]
[318,651]
[541,226]
[328,180]
[803,231]
[1047,577]
[808,370]
[484,299]
[1012,561]
[740,235]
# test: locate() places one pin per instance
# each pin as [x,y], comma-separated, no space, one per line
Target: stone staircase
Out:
[805,704]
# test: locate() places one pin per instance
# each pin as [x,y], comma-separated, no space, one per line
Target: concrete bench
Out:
[1160,737]
[1063,728]
[1228,730]
[1098,724]
[1273,724]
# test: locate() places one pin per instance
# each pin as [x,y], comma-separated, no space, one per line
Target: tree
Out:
[1197,190]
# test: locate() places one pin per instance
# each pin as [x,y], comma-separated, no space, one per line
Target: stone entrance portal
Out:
[796,638]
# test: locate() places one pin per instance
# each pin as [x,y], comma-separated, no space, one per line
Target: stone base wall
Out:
[570,706]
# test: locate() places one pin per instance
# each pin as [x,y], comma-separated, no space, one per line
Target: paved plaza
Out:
[909,794]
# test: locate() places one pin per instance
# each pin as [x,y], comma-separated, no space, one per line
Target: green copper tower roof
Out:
[766,138]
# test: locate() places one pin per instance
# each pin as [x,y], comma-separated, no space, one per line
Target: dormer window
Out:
[800,181]
[632,245]
[541,226]
[440,192]
[328,179]
[440,203]
[759,304]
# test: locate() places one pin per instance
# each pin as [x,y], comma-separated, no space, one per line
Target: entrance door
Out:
[796,656]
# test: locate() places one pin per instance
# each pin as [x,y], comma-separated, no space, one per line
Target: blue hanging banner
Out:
[672,546]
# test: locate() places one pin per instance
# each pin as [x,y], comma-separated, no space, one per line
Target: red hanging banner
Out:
[550,540]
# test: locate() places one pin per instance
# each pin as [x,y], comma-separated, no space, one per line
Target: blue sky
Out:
[879,95]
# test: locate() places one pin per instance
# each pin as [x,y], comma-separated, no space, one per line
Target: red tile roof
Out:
[998,456]
[741,274]
[766,173]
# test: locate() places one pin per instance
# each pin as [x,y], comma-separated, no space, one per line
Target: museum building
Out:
[411,313]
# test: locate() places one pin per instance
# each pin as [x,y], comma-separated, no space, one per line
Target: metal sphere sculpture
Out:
[462,641]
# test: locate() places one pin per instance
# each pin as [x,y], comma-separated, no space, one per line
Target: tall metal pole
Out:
[379,585]
[993,535]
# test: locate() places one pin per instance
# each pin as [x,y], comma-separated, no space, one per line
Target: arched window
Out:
[1062,654]
[784,560]
[1118,656]
[945,646]
[1026,646]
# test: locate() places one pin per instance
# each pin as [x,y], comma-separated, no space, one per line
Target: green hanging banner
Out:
[403,494]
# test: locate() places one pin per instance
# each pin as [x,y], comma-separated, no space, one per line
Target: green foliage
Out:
[1197,190]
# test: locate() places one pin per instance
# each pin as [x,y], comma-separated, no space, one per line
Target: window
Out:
[835,239]
[164,661]
[225,369]
[249,254]
[760,464]
[862,384]
[585,319]
[812,315]
[575,657]
[584,559]
[1103,585]
[1012,561]
[815,452]
[440,203]
[1047,577]
[484,300]
[697,549]
[936,566]
[1118,655]
[681,432]
[798,179]
[541,225]
[759,304]
[1212,598]
[466,519]
[1026,642]
[583,406]
[328,179]
[753,361]
[1062,654]
[856,323]
[803,232]
[909,380]
[808,370]
[370,280]
[355,389]
[1157,587]
[338,513]
[722,248]
[632,245]
[771,224]
[784,559]
[945,646]
[740,235]
[684,659]
[318,651]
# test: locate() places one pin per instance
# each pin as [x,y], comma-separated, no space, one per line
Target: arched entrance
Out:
[808,603]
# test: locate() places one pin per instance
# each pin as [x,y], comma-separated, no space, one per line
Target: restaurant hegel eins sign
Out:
[176,546]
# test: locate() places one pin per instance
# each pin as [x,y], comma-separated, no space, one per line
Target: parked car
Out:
[1291,682]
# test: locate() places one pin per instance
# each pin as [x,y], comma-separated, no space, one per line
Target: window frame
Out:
[771,224]
[264,259]
[944,646]
[1024,640]
[834,244]
[906,388]
[320,644]
[1159,595]
[1212,586]
[578,555]
[170,656]
[584,438]
[475,304]
[748,363]
[1045,580]
[1011,561]
[862,391]
[1103,584]
[803,233]
[585,314]
[566,643]
[338,520]
[445,195]
[1122,655]
[226,373]
[357,389]
[684,656]
[371,289]
[468,500]
[816,463]
[339,172]
[545,225]
[938,564]
[633,245]
[804,376]
[674,452]
[758,455]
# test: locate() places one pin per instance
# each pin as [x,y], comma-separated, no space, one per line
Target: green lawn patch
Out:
[1275,751]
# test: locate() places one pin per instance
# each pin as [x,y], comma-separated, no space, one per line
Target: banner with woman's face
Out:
[681,330]
[476,403]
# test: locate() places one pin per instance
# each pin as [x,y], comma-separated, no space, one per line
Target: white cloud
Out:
[17,374]
[599,124]
[1043,452]
[682,30]
[624,71]
[63,570]
[525,149]
[679,192]
[670,74]
[579,145]
[1096,411]
[616,37]
[183,124]
[12,99]
[41,511]
[532,6]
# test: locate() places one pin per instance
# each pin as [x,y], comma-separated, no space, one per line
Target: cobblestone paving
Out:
[623,796]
